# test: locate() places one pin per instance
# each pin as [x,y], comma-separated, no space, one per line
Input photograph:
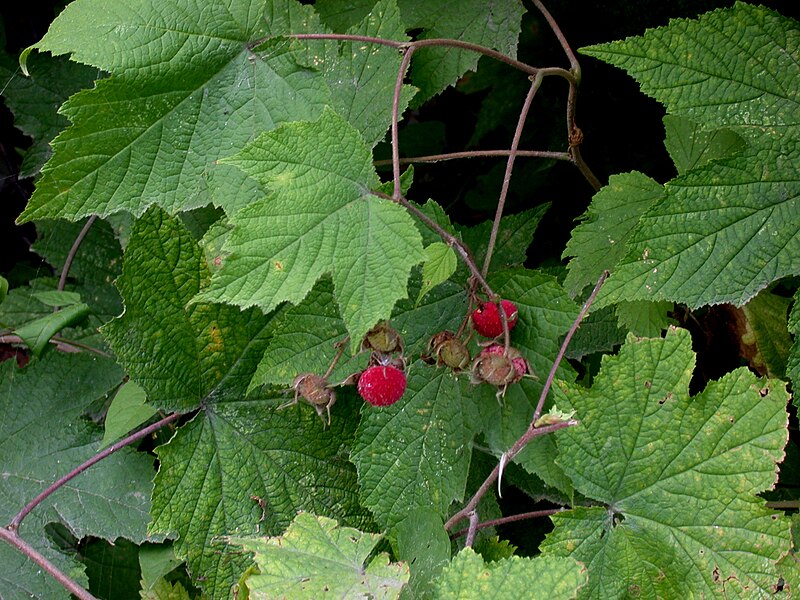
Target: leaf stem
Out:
[13,539]
[17,520]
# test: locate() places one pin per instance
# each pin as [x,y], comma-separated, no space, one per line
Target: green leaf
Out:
[690,146]
[155,562]
[240,467]
[34,100]
[185,90]
[126,412]
[341,15]
[316,558]
[723,233]
[56,298]
[164,590]
[495,25]
[179,354]
[423,544]
[793,361]
[680,514]
[767,333]
[513,238]
[728,229]
[320,218]
[112,568]
[416,452]
[728,68]
[362,76]
[37,334]
[43,436]
[644,319]
[598,242]
[439,265]
[3,288]
[469,578]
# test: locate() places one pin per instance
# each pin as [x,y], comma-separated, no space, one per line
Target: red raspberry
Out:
[487,321]
[382,385]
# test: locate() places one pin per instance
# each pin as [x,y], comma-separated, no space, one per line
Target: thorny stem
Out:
[62,280]
[501,202]
[492,477]
[532,431]
[13,539]
[510,519]
[17,520]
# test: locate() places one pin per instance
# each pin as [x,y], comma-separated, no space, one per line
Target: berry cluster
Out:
[384,381]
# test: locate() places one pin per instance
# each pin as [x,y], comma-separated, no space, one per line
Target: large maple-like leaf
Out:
[677,477]
[238,465]
[319,218]
[42,437]
[185,90]
[726,230]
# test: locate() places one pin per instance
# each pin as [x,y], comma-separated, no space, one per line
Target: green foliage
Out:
[727,229]
[316,557]
[680,513]
[245,237]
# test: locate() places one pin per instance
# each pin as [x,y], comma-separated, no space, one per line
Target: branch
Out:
[17,520]
[62,280]
[501,202]
[13,539]
[432,158]
[510,519]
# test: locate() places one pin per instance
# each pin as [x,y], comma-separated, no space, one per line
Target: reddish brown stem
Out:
[512,156]
[432,158]
[398,89]
[72,587]
[510,519]
[17,520]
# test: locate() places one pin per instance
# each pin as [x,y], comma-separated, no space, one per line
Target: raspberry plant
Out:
[222,238]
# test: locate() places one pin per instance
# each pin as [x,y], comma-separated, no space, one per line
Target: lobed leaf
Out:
[728,229]
[185,90]
[416,452]
[240,468]
[316,557]
[469,578]
[179,354]
[680,514]
[320,218]
[495,25]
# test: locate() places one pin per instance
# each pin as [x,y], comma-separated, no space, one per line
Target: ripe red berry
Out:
[487,321]
[382,385]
